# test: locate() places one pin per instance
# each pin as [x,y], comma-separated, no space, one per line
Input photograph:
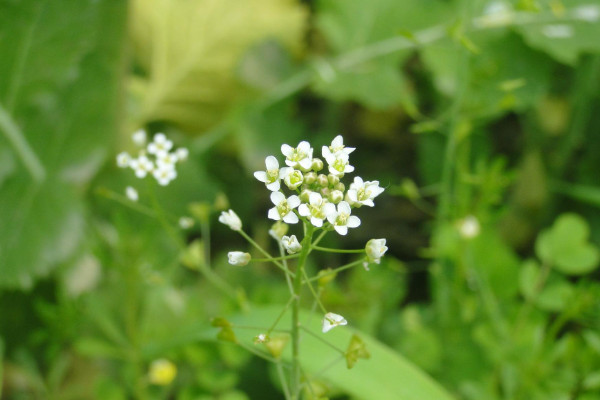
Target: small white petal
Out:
[274,186]
[261,176]
[274,214]
[293,201]
[277,198]
[305,163]
[291,218]
[271,163]
[315,199]
[303,210]
[316,222]
[341,229]
[287,150]
[344,207]
[353,221]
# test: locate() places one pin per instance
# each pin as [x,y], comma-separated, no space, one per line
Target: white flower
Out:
[131,193]
[182,154]
[337,146]
[284,208]
[141,166]
[375,249]
[331,320]
[261,338]
[186,222]
[123,160]
[139,137]
[293,178]
[272,175]
[341,219]
[231,219]
[164,174]
[166,160]
[238,258]
[291,244]
[317,209]
[300,156]
[587,12]
[160,145]
[363,193]
[558,31]
[339,164]
[469,227]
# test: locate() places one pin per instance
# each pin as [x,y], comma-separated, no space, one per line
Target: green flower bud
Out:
[304,195]
[317,164]
[333,180]
[322,180]
[310,178]
[340,186]
[336,196]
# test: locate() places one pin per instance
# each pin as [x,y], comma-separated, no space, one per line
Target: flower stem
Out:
[335,271]
[295,374]
[326,249]
[266,254]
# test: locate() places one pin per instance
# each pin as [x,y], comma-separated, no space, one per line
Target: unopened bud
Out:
[340,186]
[310,178]
[333,179]
[322,180]
[336,196]
[317,164]
[305,195]
[325,192]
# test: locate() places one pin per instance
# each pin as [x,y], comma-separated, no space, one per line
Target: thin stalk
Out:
[119,198]
[265,253]
[281,314]
[295,374]
[284,383]
[285,264]
[315,295]
[329,250]
[276,258]
[319,338]
[335,271]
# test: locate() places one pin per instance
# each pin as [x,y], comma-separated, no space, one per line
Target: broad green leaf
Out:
[565,246]
[188,52]
[529,279]
[58,87]
[556,296]
[353,25]
[575,31]
[386,374]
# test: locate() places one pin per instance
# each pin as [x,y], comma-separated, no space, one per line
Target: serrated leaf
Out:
[565,246]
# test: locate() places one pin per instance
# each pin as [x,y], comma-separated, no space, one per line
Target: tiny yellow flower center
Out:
[283,208]
[272,175]
[342,219]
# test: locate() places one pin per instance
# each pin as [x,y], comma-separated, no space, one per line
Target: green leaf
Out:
[188,52]
[386,373]
[566,40]
[54,59]
[565,246]
[353,25]
[556,296]
[529,279]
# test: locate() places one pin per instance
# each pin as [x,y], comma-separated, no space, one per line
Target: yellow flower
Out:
[162,372]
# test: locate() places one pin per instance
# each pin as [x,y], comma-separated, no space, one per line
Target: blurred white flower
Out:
[139,137]
[182,154]
[165,174]
[231,219]
[123,160]
[284,208]
[331,320]
[337,146]
[131,193]
[341,218]
[141,166]
[469,227]
[587,12]
[558,31]
[238,258]
[186,222]
[159,145]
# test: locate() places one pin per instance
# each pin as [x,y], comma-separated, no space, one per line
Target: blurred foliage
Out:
[463,109]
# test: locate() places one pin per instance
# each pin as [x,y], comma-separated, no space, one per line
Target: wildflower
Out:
[587,12]
[162,372]
[469,227]
[166,160]
[557,31]
[139,137]
[272,175]
[284,208]
[123,160]
[291,244]
[331,320]
[317,209]
[165,174]
[363,193]
[160,145]
[131,193]
[293,178]
[337,146]
[231,219]
[375,249]
[186,222]
[261,338]
[182,154]
[341,218]
[300,156]
[141,166]
[238,258]
[339,164]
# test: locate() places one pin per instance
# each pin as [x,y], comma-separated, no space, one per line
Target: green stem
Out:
[284,383]
[290,257]
[266,254]
[109,194]
[335,271]
[285,264]
[295,374]
[281,314]
[329,250]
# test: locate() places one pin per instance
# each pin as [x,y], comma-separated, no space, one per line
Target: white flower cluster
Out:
[154,158]
[320,198]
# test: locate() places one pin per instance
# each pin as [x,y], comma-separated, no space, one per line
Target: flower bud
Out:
[375,249]
[231,219]
[325,192]
[325,276]
[336,196]
[333,179]
[291,244]
[261,338]
[305,195]
[310,178]
[340,186]
[277,343]
[238,258]
[278,230]
[294,179]
[322,180]
[317,164]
